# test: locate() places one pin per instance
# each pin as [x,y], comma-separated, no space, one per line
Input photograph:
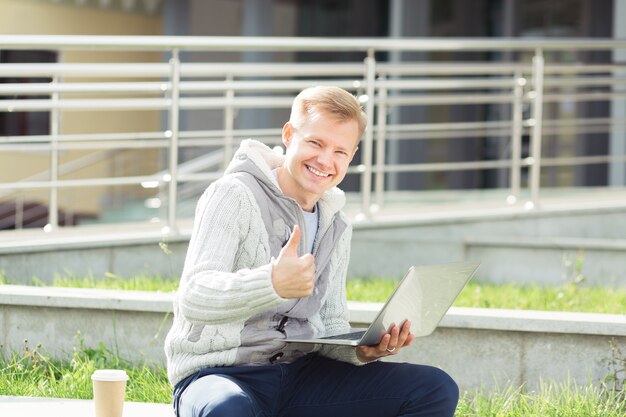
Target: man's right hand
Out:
[293,276]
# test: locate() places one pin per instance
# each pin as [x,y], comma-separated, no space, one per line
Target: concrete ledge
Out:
[86,298]
[64,407]
[479,347]
[513,320]
[452,216]
[73,242]
[360,312]
[400,240]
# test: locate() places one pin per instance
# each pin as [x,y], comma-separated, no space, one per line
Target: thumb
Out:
[291,247]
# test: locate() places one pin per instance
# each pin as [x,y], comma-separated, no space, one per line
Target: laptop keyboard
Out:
[347,336]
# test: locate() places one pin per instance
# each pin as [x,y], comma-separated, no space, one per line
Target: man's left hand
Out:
[390,344]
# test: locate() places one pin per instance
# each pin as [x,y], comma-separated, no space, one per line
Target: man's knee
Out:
[215,396]
[233,405]
[433,391]
[445,391]
[449,388]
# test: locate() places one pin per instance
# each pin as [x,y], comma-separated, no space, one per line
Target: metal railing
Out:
[523,86]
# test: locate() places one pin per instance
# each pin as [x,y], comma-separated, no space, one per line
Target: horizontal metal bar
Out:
[275,69]
[275,139]
[272,102]
[143,103]
[418,127]
[149,138]
[447,166]
[446,83]
[285,85]
[207,70]
[200,142]
[215,137]
[456,68]
[237,102]
[581,97]
[269,43]
[81,87]
[143,70]
[447,99]
[582,160]
[210,176]
[161,87]
[503,124]
[266,86]
[134,144]
[85,137]
[85,104]
[86,182]
[455,134]
[38,147]
[159,70]
[583,121]
[582,68]
[243,133]
[221,70]
[429,167]
[126,144]
[247,133]
[30,147]
[583,81]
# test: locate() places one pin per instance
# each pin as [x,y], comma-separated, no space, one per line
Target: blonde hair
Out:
[331,101]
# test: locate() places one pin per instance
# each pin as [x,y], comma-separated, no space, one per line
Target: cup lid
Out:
[109,375]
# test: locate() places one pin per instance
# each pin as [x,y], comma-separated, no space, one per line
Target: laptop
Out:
[423,296]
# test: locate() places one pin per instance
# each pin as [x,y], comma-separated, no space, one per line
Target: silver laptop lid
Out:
[423,296]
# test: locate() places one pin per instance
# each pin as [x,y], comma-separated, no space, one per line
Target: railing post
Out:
[174,121]
[55,122]
[381,133]
[535,168]
[229,122]
[366,160]
[516,138]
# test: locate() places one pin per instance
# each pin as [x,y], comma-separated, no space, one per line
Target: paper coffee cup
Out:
[109,390]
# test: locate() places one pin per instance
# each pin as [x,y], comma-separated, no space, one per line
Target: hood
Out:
[259,160]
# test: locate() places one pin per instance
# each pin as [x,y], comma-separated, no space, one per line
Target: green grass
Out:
[567,297]
[111,281]
[33,373]
[552,400]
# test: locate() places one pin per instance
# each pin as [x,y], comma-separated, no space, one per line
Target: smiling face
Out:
[319,151]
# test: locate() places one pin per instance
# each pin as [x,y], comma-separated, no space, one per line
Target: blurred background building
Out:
[572,19]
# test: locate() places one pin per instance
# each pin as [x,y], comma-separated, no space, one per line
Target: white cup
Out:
[109,390]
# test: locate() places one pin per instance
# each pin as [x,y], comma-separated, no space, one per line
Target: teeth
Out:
[316,172]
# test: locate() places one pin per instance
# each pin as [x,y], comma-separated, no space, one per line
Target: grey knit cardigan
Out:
[226,311]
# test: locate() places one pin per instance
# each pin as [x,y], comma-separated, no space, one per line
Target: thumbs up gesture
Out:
[293,276]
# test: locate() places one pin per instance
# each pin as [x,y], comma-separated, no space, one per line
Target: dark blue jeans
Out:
[320,387]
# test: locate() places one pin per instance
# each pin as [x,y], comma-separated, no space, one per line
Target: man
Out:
[268,258]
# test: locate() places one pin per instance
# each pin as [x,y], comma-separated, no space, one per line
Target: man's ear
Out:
[287,134]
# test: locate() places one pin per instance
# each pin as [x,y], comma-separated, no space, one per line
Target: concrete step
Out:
[489,237]
[550,260]
[398,239]
[478,347]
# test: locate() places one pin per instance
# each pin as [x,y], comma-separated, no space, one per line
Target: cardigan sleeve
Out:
[211,291]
